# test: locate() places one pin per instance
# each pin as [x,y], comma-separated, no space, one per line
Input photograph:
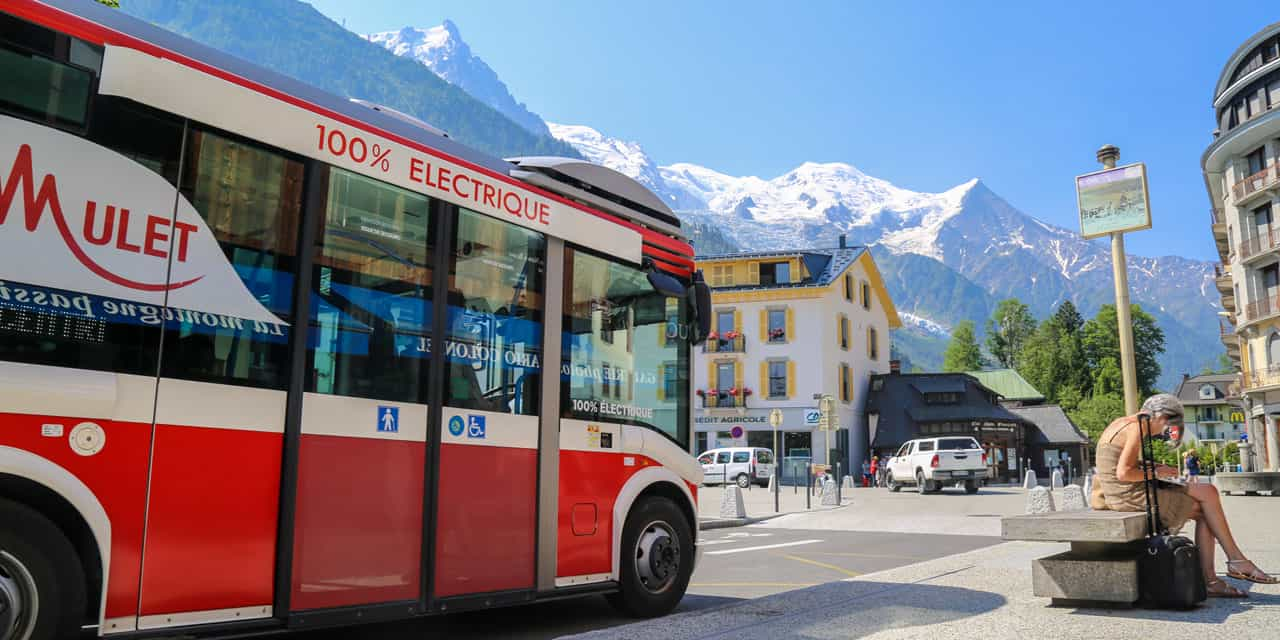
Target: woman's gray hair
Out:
[1162,404]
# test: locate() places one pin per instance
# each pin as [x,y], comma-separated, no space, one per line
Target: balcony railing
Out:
[1217,216]
[1255,183]
[736,344]
[723,399]
[1265,241]
[1262,308]
[1225,329]
[1268,376]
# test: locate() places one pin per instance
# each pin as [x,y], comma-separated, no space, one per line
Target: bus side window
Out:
[371,292]
[494,333]
[251,199]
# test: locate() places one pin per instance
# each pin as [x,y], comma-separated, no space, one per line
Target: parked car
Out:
[932,463]
[741,465]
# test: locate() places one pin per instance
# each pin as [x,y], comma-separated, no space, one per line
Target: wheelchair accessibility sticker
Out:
[475,426]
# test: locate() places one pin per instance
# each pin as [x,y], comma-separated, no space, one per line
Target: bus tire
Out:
[41,580]
[657,559]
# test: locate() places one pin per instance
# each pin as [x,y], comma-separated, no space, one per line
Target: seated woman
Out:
[1119,487]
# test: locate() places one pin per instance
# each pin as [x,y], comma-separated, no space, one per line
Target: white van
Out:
[742,465]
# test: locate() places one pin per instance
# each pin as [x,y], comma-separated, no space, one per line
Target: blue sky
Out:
[925,94]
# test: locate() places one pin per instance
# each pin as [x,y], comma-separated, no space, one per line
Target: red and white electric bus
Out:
[271,358]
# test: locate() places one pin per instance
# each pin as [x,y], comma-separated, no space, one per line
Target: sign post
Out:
[826,424]
[1112,202]
[775,421]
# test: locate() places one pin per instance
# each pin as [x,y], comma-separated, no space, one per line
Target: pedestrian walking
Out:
[1193,465]
[875,471]
[866,472]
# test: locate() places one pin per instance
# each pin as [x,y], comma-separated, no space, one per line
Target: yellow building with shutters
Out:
[788,326]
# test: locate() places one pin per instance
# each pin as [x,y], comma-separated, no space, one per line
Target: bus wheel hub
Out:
[657,557]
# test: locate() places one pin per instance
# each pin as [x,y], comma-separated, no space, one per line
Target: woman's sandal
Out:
[1256,576]
[1218,588]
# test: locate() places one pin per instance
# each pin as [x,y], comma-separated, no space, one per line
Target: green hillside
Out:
[292,38]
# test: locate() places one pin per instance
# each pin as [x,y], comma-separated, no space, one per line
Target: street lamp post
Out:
[1108,155]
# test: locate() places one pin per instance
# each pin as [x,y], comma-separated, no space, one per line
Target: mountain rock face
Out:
[294,39]
[945,256]
[443,51]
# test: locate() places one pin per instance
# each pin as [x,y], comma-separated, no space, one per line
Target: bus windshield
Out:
[625,349]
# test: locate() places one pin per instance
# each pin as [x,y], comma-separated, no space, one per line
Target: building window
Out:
[866,295]
[844,332]
[777,325]
[848,287]
[1273,350]
[777,378]
[1206,392]
[772,273]
[1262,218]
[1270,278]
[724,322]
[725,377]
[873,344]
[846,383]
[722,275]
[941,397]
[1257,160]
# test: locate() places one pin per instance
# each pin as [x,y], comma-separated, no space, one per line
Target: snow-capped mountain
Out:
[443,51]
[946,256]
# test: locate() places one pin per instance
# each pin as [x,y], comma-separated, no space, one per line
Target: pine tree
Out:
[962,353]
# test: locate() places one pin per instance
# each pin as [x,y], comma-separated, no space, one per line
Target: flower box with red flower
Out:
[713,336]
[733,392]
[701,393]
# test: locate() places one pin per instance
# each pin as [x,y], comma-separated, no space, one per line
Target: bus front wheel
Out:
[657,559]
[42,590]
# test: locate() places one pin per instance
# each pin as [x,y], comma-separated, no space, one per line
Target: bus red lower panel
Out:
[587,478]
[117,476]
[486,518]
[211,527]
[358,528]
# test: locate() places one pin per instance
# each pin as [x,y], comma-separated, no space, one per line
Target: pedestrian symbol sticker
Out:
[475,426]
[388,419]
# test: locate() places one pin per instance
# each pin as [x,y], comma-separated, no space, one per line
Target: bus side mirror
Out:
[699,300]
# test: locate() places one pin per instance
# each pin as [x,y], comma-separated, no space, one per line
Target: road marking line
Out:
[753,584]
[707,543]
[864,555]
[851,574]
[762,547]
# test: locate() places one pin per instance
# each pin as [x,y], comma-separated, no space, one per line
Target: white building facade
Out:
[1242,176]
[790,327]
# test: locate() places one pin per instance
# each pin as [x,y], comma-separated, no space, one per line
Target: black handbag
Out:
[1169,575]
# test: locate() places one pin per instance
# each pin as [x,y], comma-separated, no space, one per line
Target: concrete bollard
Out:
[773,480]
[1040,500]
[829,498]
[847,483]
[1056,480]
[731,504]
[1030,482]
[1073,498]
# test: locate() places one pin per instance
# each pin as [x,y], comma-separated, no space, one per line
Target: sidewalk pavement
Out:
[759,505]
[983,594]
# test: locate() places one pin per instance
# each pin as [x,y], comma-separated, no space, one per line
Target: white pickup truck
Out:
[932,463]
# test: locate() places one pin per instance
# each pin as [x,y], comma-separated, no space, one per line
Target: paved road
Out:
[739,563]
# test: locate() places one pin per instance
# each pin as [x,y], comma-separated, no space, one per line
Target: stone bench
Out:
[1248,483]
[1102,565]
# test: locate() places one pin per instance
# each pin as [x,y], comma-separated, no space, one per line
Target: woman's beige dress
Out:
[1111,493]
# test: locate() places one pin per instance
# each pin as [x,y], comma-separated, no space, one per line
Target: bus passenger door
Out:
[358,525]
[486,502]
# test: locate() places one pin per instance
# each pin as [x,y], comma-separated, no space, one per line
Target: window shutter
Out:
[791,326]
[764,379]
[791,378]
[662,382]
[753,272]
[764,325]
[711,375]
[739,380]
[737,320]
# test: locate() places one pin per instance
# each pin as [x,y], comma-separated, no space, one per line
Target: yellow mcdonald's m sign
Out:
[1236,417]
